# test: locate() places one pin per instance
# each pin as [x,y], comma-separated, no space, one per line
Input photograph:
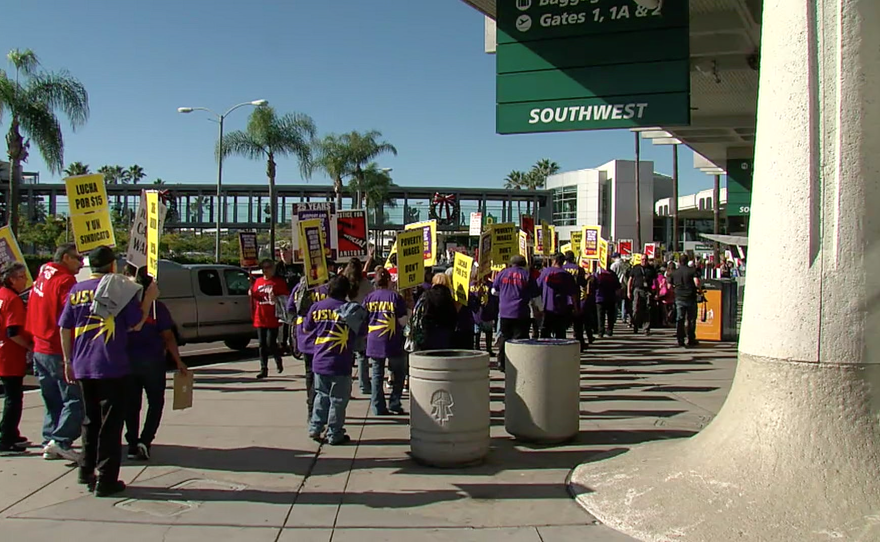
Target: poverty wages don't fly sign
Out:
[410,259]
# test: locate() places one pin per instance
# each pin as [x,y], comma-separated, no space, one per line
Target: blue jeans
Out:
[363,364]
[397,366]
[332,394]
[64,406]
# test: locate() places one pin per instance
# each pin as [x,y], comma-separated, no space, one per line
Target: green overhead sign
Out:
[591,64]
[739,187]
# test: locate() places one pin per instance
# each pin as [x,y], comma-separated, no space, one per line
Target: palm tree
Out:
[159,182]
[375,190]
[515,180]
[32,97]
[76,168]
[268,137]
[333,158]
[537,177]
[134,174]
[196,208]
[363,148]
[112,174]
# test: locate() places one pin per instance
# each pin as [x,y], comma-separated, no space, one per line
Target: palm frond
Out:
[42,126]
[293,134]
[25,61]
[242,144]
[62,92]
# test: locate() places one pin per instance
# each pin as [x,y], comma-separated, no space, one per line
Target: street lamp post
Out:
[219,119]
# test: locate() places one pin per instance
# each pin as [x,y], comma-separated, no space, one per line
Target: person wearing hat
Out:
[94,326]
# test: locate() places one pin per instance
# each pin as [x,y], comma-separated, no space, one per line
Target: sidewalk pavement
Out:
[239,465]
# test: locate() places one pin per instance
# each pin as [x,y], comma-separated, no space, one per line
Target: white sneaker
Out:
[54,451]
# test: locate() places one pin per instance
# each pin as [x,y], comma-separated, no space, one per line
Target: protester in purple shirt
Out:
[333,359]
[388,316]
[607,286]
[302,340]
[579,318]
[515,289]
[95,354]
[485,315]
[147,353]
[558,294]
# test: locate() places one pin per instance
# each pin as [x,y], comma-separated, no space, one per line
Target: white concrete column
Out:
[795,452]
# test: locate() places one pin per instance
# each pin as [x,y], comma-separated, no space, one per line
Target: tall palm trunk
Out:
[273,204]
[337,189]
[17,151]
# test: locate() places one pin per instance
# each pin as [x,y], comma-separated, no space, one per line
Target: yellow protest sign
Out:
[11,252]
[590,236]
[429,234]
[311,242]
[461,277]
[86,194]
[504,242]
[576,238]
[565,248]
[393,252]
[603,253]
[636,259]
[410,259]
[152,233]
[544,241]
[484,263]
[93,230]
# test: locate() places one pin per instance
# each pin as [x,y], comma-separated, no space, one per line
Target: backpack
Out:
[415,332]
[302,298]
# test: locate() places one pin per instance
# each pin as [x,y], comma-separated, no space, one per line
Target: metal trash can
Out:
[449,407]
[542,390]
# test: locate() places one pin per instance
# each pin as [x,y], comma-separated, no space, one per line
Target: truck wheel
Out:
[239,344]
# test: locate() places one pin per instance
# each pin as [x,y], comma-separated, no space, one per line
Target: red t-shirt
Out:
[45,304]
[13,357]
[264,303]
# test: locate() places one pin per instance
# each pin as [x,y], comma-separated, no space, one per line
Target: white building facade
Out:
[606,196]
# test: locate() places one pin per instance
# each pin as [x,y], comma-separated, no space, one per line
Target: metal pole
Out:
[716,214]
[638,236]
[675,236]
[219,193]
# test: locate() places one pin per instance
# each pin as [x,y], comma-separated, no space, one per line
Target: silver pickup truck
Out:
[208,303]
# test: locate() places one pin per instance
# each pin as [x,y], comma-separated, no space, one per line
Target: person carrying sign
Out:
[14,346]
[263,294]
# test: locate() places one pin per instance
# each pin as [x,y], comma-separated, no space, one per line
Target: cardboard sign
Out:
[590,236]
[576,241]
[93,230]
[410,258]
[152,233]
[351,235]
[504,243]
[484,254]
[183,391]
[393,252]
[476,224]
[603,254]
[323,211]
[86,194]
[137,241]
[429,234]
[625,247]
[311,239]
[544,241]
[248,250]
[527,224]
[650,250]
[11,252]
[461,277]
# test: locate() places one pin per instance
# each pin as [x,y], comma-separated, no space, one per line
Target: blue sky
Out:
[413,69]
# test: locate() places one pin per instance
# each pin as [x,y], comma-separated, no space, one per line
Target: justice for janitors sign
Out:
[591,64]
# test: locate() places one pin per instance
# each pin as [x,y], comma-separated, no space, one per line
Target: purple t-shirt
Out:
[384,336]
[318,294]
[99,344]
[329,338]
[558,289]
[607,285]
[148,344]
[515,289]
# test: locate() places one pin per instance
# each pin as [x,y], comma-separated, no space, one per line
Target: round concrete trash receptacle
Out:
[449,407]
[542,390]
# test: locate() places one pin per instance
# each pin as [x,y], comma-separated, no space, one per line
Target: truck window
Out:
[209,282]
[237,282]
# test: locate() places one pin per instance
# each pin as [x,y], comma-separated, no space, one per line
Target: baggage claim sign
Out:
[591,64]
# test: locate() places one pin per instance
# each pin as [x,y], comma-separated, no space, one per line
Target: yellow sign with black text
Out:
[410,259]
[86,194]
[152,233]
[11,252]
[93,230]
[461,277]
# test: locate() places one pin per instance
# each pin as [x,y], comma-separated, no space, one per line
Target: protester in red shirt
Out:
[263,293]
[64,409]
[14,346]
